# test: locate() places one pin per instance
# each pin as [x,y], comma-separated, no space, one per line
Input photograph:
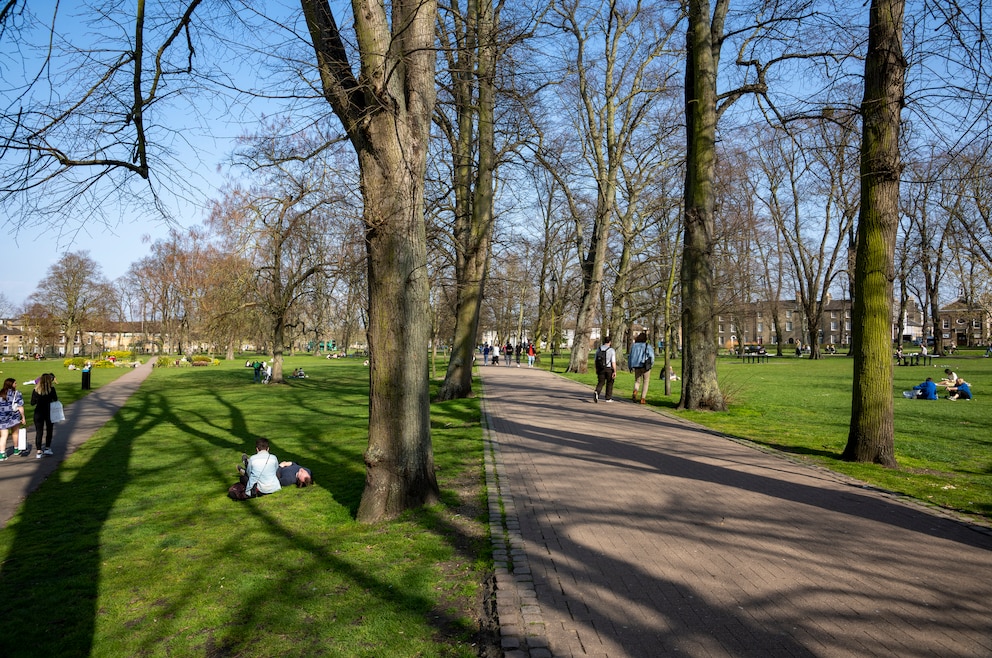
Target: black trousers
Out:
[42,426]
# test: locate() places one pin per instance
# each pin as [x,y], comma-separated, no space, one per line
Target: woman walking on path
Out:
[42,398]
[11,414]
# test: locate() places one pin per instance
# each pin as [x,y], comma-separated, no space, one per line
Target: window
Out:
[721,328]
[847,325]
[976,323]
[833,314]
[761,327]
[833,326]
[788,326]
[945,324]
[788,315]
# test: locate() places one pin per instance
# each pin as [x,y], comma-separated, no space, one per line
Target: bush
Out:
[163,362]
[80,361]
[196,358]
[119,355]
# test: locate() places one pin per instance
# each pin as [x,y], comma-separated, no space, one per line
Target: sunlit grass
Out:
[803,407]
[132,547]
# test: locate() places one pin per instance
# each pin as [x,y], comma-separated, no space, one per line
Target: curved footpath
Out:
[19,476]
[620,531]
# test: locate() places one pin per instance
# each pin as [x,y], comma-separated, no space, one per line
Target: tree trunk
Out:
[473,198]
[278,340]
[871,436]
[399,458]
[387,113]
[700,389]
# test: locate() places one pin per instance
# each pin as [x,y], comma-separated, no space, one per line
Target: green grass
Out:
[802,407]
[68,383]
[133,549]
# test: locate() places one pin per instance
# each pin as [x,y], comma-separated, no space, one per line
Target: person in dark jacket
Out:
[42,398]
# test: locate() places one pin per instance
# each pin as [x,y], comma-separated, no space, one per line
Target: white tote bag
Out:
[22,439]
[58,412]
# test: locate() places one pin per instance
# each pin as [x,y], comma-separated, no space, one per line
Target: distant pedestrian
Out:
[11,414]
[606,369]
[257,367]
[520,352]
[42,398]
[485,354]
[508,353]
[640,360]
[531,354]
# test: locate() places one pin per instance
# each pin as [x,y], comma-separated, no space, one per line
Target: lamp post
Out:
[554,285]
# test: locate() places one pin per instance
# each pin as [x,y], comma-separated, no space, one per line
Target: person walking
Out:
[606,370]
[531,354]
[42,398]
[11,414]
[640,360]
[520,351]
[508,353]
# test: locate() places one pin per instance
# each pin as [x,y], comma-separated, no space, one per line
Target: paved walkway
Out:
[19,476]
[619,531]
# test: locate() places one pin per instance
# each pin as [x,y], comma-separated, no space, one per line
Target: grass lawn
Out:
[68,383]
[133,549]
[803,408]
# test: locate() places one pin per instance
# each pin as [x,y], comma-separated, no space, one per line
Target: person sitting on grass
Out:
[960,390]
[926,390]
[950,377]
[258,473]
[291,473]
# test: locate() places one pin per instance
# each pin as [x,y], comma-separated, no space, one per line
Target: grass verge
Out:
[132,548]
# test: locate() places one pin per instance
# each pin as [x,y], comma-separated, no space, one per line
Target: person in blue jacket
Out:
[926,390]
[960,390]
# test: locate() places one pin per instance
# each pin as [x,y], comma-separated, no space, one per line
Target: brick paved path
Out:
[627,533]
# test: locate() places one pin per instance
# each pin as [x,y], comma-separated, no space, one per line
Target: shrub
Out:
[163,362]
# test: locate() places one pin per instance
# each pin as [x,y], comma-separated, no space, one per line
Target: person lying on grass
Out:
[291,473]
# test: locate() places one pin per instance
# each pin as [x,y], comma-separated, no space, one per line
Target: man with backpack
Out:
[640,360]
[606,369]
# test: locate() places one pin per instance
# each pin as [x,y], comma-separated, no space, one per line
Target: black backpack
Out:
[601,363]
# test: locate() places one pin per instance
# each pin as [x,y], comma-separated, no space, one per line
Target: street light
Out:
[554,285]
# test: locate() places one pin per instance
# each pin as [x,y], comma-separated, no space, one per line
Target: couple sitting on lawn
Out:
[263,473]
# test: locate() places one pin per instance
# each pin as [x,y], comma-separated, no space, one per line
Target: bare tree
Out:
[471,50]
[74,293]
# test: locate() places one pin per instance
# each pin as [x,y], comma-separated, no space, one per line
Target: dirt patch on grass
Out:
[466,525]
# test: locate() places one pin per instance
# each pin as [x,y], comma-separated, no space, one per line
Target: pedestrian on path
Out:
[640,360]
[606,369]
[11,415]
[42,398]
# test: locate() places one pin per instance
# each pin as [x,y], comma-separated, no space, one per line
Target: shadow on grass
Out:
[102,510]
[49,580]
